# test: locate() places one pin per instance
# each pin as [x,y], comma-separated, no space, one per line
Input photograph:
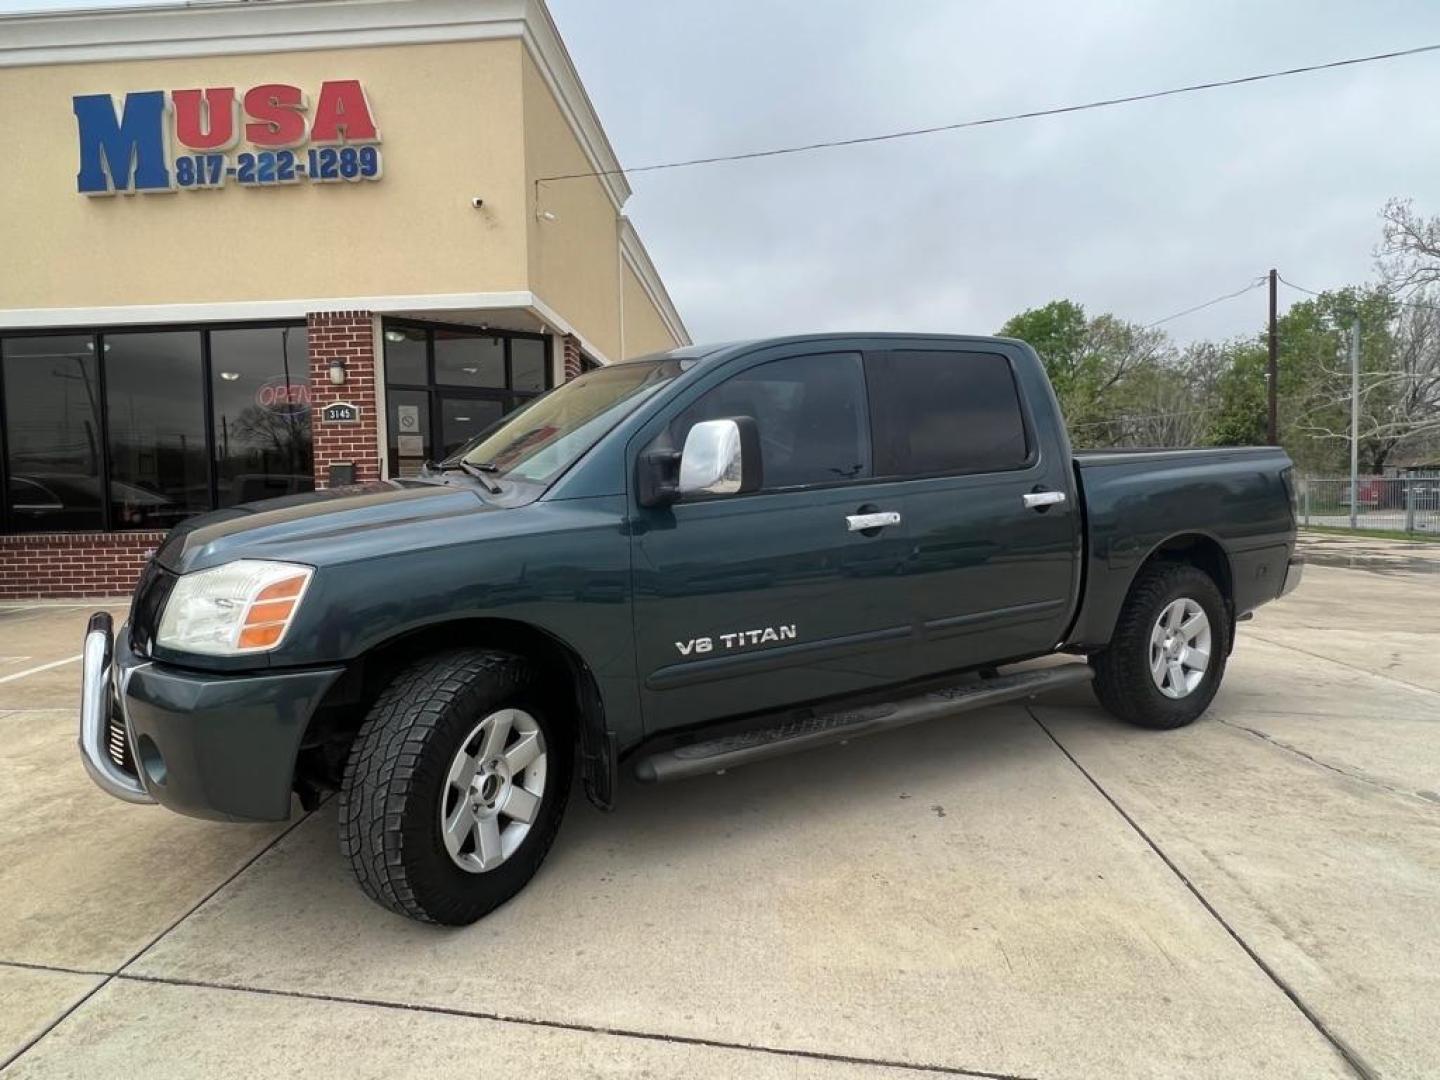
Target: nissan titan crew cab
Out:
[674,565]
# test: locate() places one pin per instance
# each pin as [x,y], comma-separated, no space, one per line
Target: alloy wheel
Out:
[493,790]
[1180,648]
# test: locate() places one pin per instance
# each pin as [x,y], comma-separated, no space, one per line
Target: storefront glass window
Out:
[528,361]
[464,360]
[139,429]
[479,376]
[155,396]
[52,433]
[260,391]
[405,355]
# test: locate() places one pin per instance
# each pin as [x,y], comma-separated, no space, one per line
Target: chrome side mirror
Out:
[713,460]
[721,457]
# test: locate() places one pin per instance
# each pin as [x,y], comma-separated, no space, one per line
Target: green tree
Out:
[1091,364]
[1240,415]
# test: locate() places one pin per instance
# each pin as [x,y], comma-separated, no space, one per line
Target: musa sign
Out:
[160,141]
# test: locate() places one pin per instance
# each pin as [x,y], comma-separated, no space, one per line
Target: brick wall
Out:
[348,336]
[72,564]
[572,357]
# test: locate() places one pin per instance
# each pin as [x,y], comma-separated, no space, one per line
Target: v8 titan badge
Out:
[340,412]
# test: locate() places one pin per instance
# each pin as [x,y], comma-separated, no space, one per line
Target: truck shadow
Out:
[882,775]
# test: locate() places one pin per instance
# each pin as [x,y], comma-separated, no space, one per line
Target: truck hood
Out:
[323,526]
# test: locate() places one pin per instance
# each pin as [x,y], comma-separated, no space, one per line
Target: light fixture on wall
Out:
[337,371]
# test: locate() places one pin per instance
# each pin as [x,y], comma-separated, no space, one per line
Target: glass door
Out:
[446,384]
[462,418]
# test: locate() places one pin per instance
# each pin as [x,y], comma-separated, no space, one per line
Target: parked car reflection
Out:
[70,501]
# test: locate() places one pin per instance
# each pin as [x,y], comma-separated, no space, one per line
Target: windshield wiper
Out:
[477,471]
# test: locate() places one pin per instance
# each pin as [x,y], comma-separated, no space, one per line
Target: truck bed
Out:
[1232,503]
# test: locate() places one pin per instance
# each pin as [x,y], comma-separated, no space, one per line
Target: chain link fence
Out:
[1409,503]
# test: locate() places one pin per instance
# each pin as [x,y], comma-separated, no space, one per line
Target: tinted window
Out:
[527,363]
[464,360]
[260,381]
[461,419]
[155,393]
[405,356]
[810,411]
[944,412]
[52,431]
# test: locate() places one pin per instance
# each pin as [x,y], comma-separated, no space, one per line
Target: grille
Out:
[116,744]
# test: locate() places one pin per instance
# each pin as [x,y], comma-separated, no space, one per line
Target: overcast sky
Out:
[1141,209]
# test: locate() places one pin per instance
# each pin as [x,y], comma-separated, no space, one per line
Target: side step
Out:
[841,723]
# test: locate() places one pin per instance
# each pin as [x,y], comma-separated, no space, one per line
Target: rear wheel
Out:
[455,787]
[1167,656]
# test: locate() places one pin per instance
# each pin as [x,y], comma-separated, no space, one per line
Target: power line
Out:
[1030,115]
[1210,303]
[1389,296]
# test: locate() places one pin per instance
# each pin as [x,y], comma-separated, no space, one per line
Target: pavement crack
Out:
[25,965]
[1341,663]
[1347,1053]
[109,977]
[575,1026]
[1350,774]
[281,835]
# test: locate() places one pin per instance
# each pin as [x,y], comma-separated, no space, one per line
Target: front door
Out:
[745,603]
[461,417]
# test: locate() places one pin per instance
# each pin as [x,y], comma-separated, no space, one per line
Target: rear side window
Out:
[810,412]
[944,412]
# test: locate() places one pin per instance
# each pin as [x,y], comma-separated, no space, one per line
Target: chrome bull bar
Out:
[96,667]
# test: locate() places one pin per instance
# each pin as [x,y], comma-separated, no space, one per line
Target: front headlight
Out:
[241,607]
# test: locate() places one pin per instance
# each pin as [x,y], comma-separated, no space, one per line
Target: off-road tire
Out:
[395,777]
[1122,670]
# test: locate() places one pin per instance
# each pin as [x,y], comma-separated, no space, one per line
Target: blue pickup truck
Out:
[672,566]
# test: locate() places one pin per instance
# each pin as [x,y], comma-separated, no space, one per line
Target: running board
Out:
[841,723]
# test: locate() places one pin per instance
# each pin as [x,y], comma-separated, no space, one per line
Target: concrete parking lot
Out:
[1022,892]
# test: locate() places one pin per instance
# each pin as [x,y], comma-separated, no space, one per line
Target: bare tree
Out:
[1399,384]
[1409,251]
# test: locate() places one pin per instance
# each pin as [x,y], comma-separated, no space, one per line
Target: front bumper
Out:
[1294,571]
[208,745]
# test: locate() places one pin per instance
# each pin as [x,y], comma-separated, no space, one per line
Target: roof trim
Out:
[56,318]
[633,252]
[227,27]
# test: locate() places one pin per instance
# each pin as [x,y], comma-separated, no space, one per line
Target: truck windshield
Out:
[538,442]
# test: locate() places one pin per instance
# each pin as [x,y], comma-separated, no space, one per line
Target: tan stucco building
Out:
[255,248]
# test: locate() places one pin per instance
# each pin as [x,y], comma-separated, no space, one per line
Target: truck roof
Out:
[715,349]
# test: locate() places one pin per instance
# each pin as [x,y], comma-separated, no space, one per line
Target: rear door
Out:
[746,603]
[988,505]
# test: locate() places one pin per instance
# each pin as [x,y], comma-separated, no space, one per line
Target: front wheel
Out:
[455,787]
[1167,656]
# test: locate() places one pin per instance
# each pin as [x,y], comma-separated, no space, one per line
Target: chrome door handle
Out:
[1036,499]
[861,522]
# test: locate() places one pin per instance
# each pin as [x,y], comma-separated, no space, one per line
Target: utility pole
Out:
[1354,419]
[1272,371]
